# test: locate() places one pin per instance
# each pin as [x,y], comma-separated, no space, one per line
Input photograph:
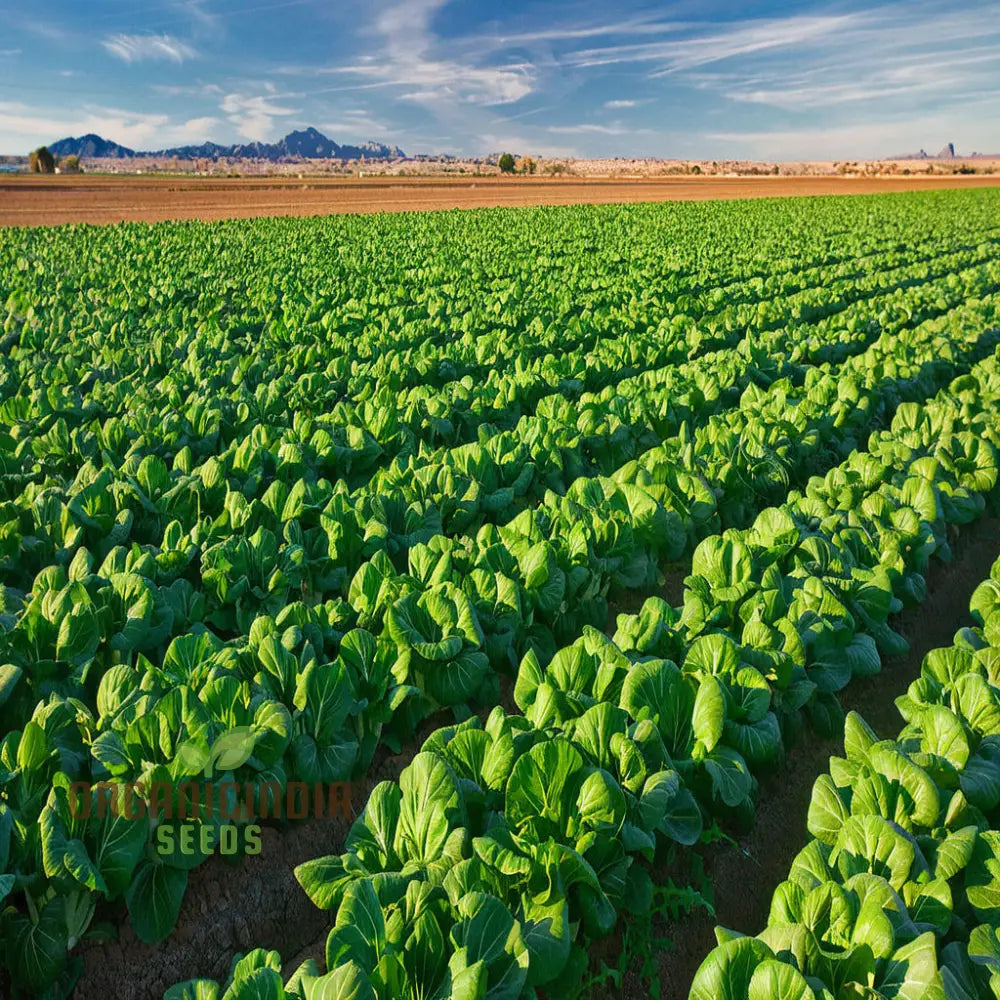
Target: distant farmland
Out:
[34,200]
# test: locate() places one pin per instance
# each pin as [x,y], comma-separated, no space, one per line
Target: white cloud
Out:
[919,63]
[355,124]
[39,27]
[489,142]
[804,62]
[886,136]
[825,96]
[140,48]
[635,26]
[855,78]
[826,66]
[25,126]
[590,128]
[520,116]
[253,115]
[242,103]
[8,53]
[440,83]
[194,130]
[202,19]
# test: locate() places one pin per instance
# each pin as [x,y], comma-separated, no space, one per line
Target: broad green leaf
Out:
[774,980]
[709,714]
[729,969]
[154,900]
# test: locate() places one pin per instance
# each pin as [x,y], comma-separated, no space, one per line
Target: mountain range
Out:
[304,144]
[948,153]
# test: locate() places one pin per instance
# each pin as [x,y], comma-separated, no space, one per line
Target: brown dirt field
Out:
[34,201]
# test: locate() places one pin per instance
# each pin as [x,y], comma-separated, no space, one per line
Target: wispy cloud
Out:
[530,74]
[140,48]
[592,128]
[588,128]
[651,24]
[715,46]
[411,57]
[202,19]
[887,57]
[37,27]
[531,113]
[829,95]
[195,130]
[355,123]
[187,89]
[495,142]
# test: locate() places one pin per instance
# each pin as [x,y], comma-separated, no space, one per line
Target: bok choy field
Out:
[546,538]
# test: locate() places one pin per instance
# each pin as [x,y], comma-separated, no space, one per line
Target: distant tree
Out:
[70,164]
[506,164]
[555,169]
[526,165]
[41,161]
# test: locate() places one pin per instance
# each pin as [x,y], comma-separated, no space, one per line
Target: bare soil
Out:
[33,200]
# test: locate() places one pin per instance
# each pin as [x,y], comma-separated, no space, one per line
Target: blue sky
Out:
[764,78]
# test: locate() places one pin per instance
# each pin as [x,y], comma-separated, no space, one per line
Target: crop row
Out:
[425,416]
[898,892]
[741,453]
[508,845]
[349,440]
[598,433]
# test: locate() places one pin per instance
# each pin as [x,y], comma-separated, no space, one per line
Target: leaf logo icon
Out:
[231,750]
[192,757]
